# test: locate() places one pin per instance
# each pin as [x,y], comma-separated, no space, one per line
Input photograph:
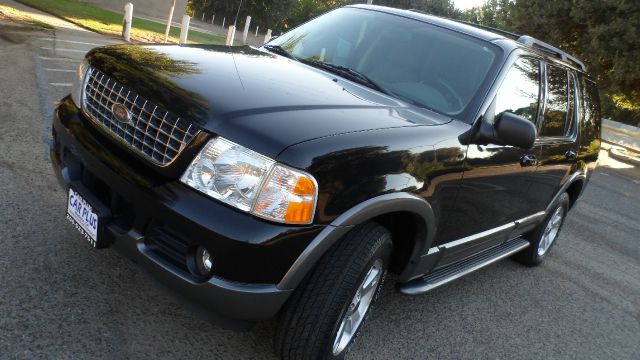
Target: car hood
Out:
[252,97]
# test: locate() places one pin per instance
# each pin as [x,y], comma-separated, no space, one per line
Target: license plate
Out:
[82,215]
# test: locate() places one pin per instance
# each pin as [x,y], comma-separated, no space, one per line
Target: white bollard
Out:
[166,32]
[257,27]
[267,36]
[231,34]
[226,40]
[223,20]
[184,29]
[126,23]
[246,30]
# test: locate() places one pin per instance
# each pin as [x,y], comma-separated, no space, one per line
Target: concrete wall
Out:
[151,8]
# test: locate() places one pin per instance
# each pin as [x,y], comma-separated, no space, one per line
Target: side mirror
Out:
[506,129]
[515,130]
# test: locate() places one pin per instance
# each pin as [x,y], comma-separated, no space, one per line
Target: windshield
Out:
[417,62]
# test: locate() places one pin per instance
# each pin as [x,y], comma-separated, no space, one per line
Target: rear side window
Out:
[559,113]
[520,90]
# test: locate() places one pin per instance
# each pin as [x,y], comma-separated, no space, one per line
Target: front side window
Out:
[520,91]
[559,109]
[417,62]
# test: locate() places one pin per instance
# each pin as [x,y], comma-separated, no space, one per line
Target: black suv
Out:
[288,179]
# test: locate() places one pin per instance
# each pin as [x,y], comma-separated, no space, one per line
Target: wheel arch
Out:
[385,210]
[573,187]
[575,190]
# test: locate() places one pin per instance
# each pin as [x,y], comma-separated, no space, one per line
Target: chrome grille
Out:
[153,132]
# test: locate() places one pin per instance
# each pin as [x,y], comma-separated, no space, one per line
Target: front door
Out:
[496,187]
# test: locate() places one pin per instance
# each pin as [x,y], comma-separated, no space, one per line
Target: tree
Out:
[603,34]
[494,13]
[282,15]
[444,8]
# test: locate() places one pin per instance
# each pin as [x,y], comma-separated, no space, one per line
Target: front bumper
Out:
[156,222]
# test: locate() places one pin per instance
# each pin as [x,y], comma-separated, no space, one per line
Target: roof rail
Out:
[506,33]
[550,49]
[489,28]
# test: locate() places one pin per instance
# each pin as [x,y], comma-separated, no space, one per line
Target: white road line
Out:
[60,70]
[71,42]
[60,84]
[59,59]
[62,49]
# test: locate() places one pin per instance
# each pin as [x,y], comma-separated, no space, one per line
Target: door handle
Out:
[571,155]
[527,160]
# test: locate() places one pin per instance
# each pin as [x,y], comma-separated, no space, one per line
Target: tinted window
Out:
[423,64]
[555,113]
[571,108]
[520,90]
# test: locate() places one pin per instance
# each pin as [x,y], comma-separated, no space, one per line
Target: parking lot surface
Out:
[61,299]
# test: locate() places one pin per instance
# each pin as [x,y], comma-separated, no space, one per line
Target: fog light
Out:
[204,261]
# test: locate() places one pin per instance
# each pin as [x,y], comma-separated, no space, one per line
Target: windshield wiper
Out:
[277,49]
[349,73]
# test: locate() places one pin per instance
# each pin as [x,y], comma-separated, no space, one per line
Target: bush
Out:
[617,113]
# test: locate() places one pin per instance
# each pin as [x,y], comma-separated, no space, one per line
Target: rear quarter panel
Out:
[590,134]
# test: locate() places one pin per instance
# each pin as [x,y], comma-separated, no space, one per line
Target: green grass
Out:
[109,22]
[12,14]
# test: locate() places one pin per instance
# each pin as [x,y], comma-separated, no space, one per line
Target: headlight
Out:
[228,172]
[78,81]
[252,182]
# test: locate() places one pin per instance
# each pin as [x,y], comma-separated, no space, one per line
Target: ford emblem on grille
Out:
[121,113]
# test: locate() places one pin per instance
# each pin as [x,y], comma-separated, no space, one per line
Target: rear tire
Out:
[543,237]
[311,321]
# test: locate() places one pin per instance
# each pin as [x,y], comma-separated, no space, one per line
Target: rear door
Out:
[557,134]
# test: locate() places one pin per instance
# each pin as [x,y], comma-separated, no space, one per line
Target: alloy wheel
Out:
[551,231]
[358,308]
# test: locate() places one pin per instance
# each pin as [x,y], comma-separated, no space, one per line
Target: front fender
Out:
[364,211]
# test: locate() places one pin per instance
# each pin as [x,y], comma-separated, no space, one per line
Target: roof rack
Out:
[506,33]
[550,49]
[523,39]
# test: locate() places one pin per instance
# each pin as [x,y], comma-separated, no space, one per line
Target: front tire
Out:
[326,313]
[544,236]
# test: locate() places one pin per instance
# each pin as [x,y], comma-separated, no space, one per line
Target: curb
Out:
[612,144]
[623,155]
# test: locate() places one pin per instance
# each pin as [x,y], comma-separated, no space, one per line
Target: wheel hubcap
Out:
[358,308]
[551,231]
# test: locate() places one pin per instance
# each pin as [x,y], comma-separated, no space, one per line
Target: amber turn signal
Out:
[288,196]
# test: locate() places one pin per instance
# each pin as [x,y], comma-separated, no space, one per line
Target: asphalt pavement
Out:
[60,299]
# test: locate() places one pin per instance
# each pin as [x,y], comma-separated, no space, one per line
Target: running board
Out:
[454,271]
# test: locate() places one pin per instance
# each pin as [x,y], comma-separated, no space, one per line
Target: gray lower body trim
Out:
[327,237]
[458,270]
[461,249]
[358,214]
